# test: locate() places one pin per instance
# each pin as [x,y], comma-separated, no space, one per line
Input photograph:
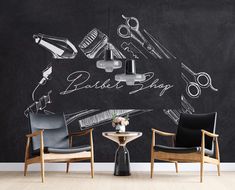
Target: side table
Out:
[122,157]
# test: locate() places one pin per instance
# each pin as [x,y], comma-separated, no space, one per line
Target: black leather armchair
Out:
[51,142]
[195,141]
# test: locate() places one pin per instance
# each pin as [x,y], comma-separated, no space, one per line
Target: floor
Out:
[105,180]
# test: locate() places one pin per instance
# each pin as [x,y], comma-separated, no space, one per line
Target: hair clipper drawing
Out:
[93,43]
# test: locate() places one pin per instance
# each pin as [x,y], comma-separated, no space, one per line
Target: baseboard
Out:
[110,167]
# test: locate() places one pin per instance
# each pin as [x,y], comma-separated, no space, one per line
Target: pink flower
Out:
[120,121]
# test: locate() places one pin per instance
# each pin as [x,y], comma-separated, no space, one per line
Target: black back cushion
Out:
[189,130]
[55,130]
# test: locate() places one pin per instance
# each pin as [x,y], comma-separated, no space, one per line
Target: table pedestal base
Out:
[122,162]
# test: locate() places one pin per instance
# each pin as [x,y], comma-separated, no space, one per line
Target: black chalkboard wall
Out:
[186,37]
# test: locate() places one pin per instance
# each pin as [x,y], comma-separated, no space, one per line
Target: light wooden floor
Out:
[105,180]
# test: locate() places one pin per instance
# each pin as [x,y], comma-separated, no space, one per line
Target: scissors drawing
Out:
[201,80]
[162,49]
[132,24]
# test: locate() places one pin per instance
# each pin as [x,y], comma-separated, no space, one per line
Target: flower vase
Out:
[121,128]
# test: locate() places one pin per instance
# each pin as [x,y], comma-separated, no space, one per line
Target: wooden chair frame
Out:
[56,157]
[186,157]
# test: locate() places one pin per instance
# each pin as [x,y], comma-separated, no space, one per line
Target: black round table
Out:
[122,157]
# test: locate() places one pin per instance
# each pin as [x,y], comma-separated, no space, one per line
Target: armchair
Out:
[51,142]
[195,141]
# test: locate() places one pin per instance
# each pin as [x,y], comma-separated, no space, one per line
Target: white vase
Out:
[122,128]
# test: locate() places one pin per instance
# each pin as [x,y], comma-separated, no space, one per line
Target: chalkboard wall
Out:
[185,51]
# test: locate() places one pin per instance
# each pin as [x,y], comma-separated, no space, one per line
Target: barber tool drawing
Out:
[126,31]
[61,48]
[80,114]
[104,117]
[95,43]
[174,114]
[90,118]
[197,84]
[162,49]
[46,75]
[186,106]
[131,48]
[116,53]
[39,105]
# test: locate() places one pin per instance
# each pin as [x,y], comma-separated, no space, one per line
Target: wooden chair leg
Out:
[202,157]
[92,167]
[152,154]
[202,170]
[42,170]
[25,168]
[217,155]
[176,167]
[70,145]
[92,154]
[218,169]
[67,167]
[152,165]
[26,156]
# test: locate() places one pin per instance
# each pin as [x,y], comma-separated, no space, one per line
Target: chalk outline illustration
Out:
[46,75]
[39,105]
[79,80]
[174,114]
[129,34]
[105,117]
[196,83]
[95,43]
[132,49]
[61,48]
[162,49]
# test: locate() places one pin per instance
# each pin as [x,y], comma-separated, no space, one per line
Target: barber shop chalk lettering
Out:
[80,80]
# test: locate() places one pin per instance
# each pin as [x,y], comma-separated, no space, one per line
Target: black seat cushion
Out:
[169,149]
[76,149]
[70,150]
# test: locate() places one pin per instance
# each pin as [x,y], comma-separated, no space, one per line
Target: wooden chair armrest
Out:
[29,136]
[162,133]
[213,135]
[35,133]
[80,133]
